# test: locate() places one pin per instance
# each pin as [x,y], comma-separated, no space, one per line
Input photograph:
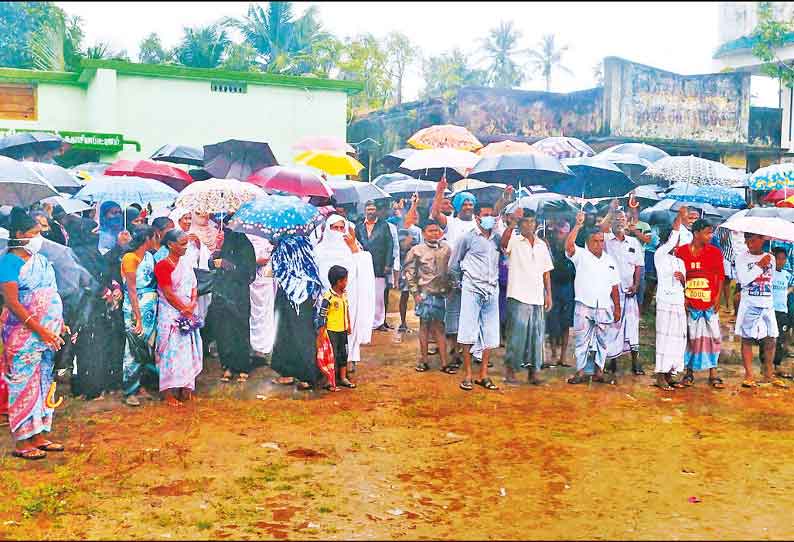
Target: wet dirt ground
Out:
[409,455]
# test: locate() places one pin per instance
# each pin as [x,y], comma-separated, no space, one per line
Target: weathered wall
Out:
[532,114]
[765,126]
[644,102]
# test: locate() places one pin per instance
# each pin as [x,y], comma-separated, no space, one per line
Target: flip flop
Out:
[450,370]
[779,383]
[747,383]
[50,446]
[578,379]
[242,377]
[716,383]
[487,383]
[422,367]
[466,385]
[30,454]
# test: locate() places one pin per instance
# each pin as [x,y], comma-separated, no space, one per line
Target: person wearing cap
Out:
[705,273]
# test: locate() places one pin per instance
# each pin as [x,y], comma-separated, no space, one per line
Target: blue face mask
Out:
[114,223]
[488,222]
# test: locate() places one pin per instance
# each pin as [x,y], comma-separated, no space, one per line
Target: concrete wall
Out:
[644,102]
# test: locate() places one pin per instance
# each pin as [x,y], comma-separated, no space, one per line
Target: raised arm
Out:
[435,209]
[570,241]
[504,199]
[412,215]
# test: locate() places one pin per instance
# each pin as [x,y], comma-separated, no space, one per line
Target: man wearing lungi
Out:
[528,298]
[624,334]
[705,273]
[597,301]
[756,322]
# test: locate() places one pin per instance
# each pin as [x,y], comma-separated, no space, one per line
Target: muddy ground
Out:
[409,455]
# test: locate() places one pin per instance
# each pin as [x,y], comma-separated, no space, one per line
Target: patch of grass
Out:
[325,510]
[307,494]
[203,525]
[248,483]
[284,487]
[271,471]
[44,499]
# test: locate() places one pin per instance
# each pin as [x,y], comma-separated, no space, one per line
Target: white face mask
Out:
[335,236]
[33,243]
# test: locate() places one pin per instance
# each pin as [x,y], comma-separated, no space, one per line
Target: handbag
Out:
[205,279]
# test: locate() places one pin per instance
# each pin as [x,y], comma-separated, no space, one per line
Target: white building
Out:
[117,109]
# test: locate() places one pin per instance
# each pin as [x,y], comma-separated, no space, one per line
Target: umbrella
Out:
[768,212]
[89,169]
[434,164]
[199,174]
[774,177]
[719,196]
[356,192]
[323,143]
[630,164]
[690,169]
[469,184]
[520,169]
[393,160]
[444,136]
[406,189]
[488,194]
[774,227]
[593,178]
[290,180]
[60,178]
[20,185]
[506,147]
[172,176]
[179,154]
[127,190]
[217,195]
[70,206]
[546,201]
[31,143]
[787,203]
[563,147]
[641,150]
[236,159]
[333,163]
[665,211]
[275,216]
[648,192]
[382,181]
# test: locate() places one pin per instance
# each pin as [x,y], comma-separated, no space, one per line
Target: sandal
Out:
[778,383]
[676,384]
[749,383]
[578,379]
[716,383]
[637,371]
[227,377]
[604,379]
[688,380]
[304,386]
[487,383]
[422,367]
[664,387]
[242,377]
[30,453]
[281,383]
[466,385]
[347,384]
[50,446]
[787,376]
[450,370]
[329,387]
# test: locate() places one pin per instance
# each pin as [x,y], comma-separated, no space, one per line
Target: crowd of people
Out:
[157,294]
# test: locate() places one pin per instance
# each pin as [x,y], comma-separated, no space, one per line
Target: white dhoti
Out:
[263,311]
[756,322]
[671,337]
[380,307]
[624,335]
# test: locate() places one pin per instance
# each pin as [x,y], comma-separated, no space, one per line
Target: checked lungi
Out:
[624,335]
[525,333]
[670,337]
[704,340]
[590,327]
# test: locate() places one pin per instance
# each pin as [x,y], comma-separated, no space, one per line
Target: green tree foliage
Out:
[151,51]
[240,57]
[203,47]
[401,54]
[547,58]
[771,34]
[500,48]
[363,59]
[446,73]
[103,51]
[39,35]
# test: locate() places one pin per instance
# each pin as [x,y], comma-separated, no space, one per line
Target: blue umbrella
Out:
[126,190]
[593,178]
[719,196]
[275,216]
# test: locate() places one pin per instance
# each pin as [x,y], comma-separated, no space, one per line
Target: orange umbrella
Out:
[788,202]
[445,136]
[506,147]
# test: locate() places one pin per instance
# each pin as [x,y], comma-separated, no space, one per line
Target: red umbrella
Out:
[323,143]
[290,180]
[778,195]
[172,176]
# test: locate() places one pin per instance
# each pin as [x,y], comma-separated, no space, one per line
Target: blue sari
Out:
[139,349]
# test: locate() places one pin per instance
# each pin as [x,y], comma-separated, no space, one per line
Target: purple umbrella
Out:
[235,159]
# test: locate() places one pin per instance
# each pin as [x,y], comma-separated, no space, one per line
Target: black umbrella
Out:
[407,188]
[630,164]
[31,143]
[434,174]
[393,160]
[356,192]
[60,178]
[199,174]
[235,159]
[179,154]
[520,169]
[666,210]
[593,178]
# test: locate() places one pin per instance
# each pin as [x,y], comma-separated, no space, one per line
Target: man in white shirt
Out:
[596,288]
[528,297]
[756,322]
[624,335]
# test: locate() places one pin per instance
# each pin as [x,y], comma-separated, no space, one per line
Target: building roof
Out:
[169,71]
[745,44]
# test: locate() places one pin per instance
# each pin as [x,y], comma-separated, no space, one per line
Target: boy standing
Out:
[781,288]
[337,322]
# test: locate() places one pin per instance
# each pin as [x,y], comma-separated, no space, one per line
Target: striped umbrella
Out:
[563,147]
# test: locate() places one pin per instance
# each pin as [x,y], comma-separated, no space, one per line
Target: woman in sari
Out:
[198,255]
[178,353]
[298,288]
[140,313]
[32,321]
[339,247]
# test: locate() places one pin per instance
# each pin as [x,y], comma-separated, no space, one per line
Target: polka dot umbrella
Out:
[217,195]
[276,216]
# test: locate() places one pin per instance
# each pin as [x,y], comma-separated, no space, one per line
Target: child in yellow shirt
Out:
[337,321]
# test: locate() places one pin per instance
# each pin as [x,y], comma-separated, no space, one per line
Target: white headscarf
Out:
[332,249]
[176,215]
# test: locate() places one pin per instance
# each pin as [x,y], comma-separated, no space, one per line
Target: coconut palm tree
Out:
[500,48]
[203,47]
[547,58]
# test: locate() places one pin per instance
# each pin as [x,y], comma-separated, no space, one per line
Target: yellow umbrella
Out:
[331,162]
[506,147]
[445,136]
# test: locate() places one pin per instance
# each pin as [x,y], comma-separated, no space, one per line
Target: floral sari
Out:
[28,361]
[138,351]
[178,356]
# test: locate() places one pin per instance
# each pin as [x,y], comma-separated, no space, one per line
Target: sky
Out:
[678,37]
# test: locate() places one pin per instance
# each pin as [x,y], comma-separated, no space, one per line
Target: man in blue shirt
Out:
[781,288]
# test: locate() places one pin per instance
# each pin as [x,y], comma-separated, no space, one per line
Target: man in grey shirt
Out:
[475,263]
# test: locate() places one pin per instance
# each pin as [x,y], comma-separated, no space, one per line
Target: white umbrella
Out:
[773,227]
[440,159]
[70,206]
[217,195]
[20,185]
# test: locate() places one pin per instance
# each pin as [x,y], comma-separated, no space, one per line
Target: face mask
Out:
[33,244]
[487,222]
[431,244]
[115,223]
[336,236]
